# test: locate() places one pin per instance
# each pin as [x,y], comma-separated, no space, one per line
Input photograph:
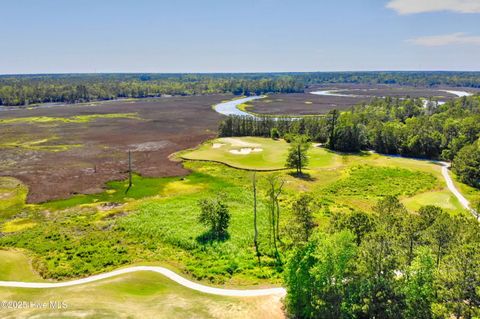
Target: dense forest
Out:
[390,264]
[24,90]
[389,126]
[74,88]
[417,78]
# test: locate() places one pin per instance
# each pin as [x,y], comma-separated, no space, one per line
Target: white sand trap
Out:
[217,145]
[246,151]
[238,143]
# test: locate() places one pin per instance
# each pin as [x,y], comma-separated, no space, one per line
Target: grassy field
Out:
[12,197]
[15,265]
[442,198]
[137,295]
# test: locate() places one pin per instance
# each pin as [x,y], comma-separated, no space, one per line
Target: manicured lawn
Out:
[444,199]
[16,266]
[259,153]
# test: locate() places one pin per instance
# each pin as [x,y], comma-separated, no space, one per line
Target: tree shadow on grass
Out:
[303,176]
[361,153]
[209,237]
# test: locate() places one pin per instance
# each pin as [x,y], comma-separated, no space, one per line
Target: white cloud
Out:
[446,39]
[422,6]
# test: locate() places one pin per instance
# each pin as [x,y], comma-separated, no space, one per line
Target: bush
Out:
[274,134]
[216,215]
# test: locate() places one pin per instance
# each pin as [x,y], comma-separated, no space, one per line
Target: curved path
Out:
[451,186]
[449,181]
[161,270]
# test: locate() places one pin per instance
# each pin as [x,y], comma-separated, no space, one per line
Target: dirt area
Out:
[69,158]
[307,103]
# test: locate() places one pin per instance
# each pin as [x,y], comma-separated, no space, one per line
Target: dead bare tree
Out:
[255,236]
[129,171]
[274,191]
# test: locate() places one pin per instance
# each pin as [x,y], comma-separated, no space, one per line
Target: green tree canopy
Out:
[297,154]
[215,214]
[467,164]
[318,277]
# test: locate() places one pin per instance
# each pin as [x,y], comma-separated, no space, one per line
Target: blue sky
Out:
[59,36]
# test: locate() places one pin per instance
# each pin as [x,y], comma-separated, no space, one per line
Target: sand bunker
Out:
[217,145]
[246,151]
[238,143]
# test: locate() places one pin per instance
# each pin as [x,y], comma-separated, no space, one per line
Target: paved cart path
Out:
[451,186]
[161,270]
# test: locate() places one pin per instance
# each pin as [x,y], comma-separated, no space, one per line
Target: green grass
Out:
[160,225]
[117,191]
[370,181]
[173,221]
[271,153]
[13,194]
[72,247]
[17,224]
[472,194]
[15,265]
[137,295]
[444,199]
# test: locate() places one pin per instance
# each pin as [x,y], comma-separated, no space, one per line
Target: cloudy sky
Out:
[58,36]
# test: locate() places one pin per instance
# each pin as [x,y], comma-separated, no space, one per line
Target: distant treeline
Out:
[390,126]
[23,90]
[74,88]
[411,78]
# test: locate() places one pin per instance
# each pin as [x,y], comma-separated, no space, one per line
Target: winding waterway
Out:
[334,93]
[231,107]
